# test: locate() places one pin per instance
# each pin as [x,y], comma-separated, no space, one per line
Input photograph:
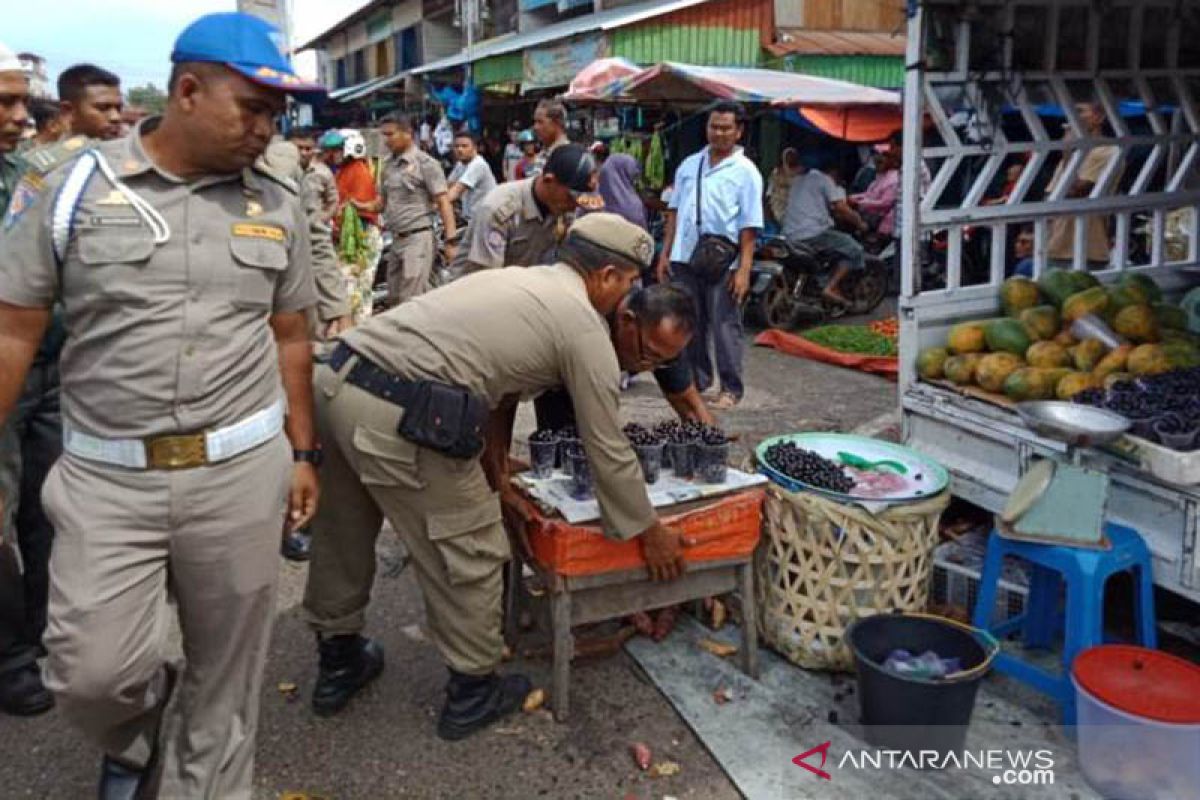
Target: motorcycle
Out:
[787,281]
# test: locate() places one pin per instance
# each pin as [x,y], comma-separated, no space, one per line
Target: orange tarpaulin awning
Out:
[859,124]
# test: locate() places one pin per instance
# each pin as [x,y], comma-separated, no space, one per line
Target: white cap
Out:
[9,61]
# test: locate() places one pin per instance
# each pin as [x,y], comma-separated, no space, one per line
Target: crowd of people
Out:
[192,361]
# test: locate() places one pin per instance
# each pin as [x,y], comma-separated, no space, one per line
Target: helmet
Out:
[332,140]
[525,137]
[355,145]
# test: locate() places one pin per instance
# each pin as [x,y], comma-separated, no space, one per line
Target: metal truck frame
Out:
[968,64]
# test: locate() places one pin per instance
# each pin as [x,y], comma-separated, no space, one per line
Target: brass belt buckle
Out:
[177,452]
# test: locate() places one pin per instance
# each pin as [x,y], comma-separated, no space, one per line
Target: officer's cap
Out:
[616,236]
[248,45]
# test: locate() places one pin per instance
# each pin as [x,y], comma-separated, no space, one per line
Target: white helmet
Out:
[354,146]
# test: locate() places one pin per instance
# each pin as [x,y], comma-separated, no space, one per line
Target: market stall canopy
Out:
[595,77]
[845,110]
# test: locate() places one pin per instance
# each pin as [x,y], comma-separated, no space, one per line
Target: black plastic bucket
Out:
[913,714]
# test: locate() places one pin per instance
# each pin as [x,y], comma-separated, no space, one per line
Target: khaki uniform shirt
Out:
[507,229]
[530,330]
[282,158]
[412,180]
[163,338]
[321,188]
[1061,246]
[10,170]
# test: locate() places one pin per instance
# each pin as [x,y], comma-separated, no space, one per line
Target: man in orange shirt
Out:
[356,188]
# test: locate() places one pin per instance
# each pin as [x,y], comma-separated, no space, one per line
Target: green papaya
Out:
[1008,336]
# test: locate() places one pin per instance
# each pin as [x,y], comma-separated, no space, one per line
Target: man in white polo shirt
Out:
[730,205]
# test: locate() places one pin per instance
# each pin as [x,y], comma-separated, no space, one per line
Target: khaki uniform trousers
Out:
[209,536]
[443,509]
[410,265]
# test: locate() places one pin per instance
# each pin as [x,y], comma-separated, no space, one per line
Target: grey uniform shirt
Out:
[478,179]
[411,182]
[163,338]
[508,230]
[529,330]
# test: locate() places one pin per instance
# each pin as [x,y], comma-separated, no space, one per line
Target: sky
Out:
[133,38]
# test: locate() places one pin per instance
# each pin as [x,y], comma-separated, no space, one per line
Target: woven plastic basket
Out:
[823,564]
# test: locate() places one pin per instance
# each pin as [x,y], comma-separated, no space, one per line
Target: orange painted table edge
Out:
[723,528]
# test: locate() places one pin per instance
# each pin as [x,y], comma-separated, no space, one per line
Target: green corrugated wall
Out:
[504,68]
[651,43]
[883,72]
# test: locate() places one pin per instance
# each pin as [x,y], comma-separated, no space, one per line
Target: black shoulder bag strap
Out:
[699,192]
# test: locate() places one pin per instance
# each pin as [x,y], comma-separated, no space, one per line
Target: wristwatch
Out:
[313,457]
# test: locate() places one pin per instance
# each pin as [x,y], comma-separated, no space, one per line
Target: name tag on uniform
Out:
[107,221]
[253,231]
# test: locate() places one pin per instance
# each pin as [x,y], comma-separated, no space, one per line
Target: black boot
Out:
[22,692]
[348,663]
[475,701]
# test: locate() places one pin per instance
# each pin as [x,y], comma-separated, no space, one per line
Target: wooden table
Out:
[583,599]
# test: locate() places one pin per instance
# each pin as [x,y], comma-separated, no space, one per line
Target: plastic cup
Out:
[541,457]
[581,474]
[711,462]
[681,458]
[565,446]
[650,457]
[1176,441]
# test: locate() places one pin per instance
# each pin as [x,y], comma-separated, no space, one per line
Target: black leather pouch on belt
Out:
[444,418]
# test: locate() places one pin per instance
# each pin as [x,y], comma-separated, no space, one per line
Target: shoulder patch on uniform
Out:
[282,180]
[496,240]
[44,160]
[24,195]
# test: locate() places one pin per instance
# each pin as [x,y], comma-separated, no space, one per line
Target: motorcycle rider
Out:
[814,203]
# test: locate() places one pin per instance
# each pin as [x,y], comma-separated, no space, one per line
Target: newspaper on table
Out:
[555,492]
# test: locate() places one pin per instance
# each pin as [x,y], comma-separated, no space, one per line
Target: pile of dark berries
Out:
[641,436]
[808,467]
[712,435]
[568,432]
[689,432]
[544,436]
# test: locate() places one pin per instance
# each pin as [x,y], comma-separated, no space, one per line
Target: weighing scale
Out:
[1063,502]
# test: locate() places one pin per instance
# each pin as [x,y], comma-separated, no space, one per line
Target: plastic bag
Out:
[927,666]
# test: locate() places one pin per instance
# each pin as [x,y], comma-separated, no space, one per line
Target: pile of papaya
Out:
[1031,354]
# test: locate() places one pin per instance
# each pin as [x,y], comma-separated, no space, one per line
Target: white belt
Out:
[219,445]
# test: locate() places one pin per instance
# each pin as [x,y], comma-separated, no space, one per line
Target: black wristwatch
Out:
[313,457]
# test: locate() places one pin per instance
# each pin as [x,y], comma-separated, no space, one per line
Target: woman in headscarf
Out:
[781,182]
[618,187]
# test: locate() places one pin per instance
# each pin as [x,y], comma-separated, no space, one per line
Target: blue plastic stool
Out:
[1086,572]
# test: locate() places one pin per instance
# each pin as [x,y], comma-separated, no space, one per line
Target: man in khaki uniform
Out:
[184,275]
[413,187]
[331,315]
[318,178]
[490,339]
[1061,248]
[515,224]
